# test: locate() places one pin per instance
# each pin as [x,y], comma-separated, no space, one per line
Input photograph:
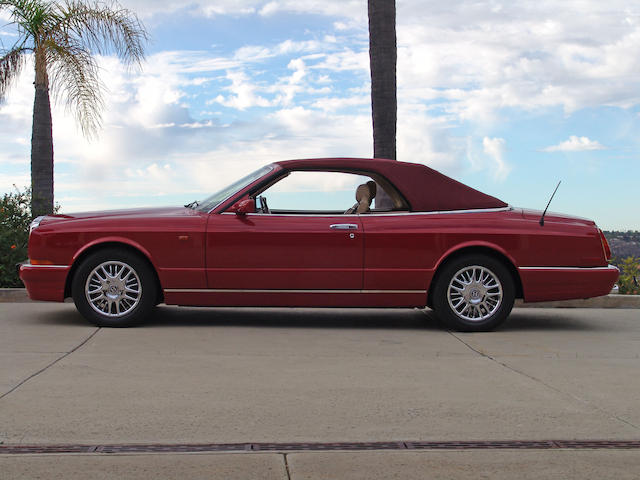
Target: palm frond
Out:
[104,28]
[10,67]
[30,15]
[64,34]
[73,73]
[13,4]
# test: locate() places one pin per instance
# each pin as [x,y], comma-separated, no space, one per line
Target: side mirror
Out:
[243,207]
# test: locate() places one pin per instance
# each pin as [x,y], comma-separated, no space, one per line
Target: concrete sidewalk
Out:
[462,465]
[318,375]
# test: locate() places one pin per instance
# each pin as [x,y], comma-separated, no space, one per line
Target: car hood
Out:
[155,212]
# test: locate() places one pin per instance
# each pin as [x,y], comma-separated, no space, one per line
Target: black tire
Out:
[473,293]
[114,288]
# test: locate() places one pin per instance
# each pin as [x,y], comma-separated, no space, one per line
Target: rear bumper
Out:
[542,284]
[44,282]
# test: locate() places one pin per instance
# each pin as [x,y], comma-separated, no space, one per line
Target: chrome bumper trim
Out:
[577,269]
[43,266]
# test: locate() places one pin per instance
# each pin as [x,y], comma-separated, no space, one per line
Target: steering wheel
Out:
[263,204]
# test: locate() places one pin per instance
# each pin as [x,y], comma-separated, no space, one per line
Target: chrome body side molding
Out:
[240,290]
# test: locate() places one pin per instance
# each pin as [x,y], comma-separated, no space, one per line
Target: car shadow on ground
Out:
[356,318]
[408,319]
[69,316]
[402,319]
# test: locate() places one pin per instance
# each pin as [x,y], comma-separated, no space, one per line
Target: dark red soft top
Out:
[425,189]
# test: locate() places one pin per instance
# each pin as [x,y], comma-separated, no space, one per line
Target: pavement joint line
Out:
[288,448]
[286,466]
[43,369]
[541,382]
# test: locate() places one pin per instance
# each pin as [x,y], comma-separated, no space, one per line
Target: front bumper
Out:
[44,282]
[541,284]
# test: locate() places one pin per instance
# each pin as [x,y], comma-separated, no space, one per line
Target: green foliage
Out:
[15,216]
[629,276]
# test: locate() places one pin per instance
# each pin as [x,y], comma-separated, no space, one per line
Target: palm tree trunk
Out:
[382,61]
[41,145]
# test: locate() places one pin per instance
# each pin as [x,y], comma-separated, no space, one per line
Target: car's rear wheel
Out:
[473,293]
[114,288]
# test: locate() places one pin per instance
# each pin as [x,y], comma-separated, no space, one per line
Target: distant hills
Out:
[624,244]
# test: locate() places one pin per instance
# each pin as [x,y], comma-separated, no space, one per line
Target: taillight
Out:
[605,245]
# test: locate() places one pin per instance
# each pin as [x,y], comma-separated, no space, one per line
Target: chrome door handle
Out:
[344,226]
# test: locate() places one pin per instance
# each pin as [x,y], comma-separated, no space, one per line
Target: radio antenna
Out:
[547,207]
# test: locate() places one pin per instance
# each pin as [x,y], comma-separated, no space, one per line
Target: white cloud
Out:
[147,8]
[427,139]
[269,8]
[479,60]
[243,93]
[257,53]
[575,144]
[476,56]
[494,148]
[345,60]
[340,8]
[333,104]
[289,86]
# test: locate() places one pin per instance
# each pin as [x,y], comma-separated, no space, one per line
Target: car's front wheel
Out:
[473,293]
[114,288]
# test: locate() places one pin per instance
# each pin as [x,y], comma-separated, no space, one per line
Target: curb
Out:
[14,295]
[606,301]
[19,295]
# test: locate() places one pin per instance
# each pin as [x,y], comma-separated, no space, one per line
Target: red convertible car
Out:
[290,235]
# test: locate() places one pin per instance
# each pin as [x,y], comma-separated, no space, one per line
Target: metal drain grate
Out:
[329,446]
[348,446]
[486,445]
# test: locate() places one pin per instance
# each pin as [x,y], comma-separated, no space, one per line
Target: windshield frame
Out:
[221,196]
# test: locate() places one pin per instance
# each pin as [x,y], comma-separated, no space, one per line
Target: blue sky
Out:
[508,97]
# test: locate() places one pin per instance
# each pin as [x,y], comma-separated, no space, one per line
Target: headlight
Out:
[34,223]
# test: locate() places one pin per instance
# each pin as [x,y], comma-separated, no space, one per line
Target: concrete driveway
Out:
[220,376]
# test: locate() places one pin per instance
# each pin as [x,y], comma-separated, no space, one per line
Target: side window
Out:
[317,192]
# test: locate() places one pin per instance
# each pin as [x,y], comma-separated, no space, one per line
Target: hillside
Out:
[624,244]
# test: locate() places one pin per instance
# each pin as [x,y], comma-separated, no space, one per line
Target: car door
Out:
[401,250]
[291,253]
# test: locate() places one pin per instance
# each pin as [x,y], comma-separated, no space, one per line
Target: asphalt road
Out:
[291,375]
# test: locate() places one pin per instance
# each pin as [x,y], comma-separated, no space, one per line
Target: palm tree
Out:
[382,61]
[61,37]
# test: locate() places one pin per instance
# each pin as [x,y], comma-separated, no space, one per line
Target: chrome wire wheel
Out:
[113,289]
[474,293]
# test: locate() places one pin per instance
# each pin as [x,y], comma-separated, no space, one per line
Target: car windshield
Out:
[211,202]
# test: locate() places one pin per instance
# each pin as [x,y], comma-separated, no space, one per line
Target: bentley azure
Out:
[290,234]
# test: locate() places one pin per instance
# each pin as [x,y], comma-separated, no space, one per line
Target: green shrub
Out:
[15,216]
[629,276]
